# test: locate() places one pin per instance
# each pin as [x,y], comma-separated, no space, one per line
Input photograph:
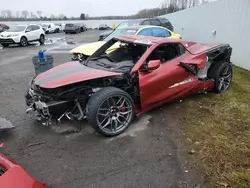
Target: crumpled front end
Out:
[48,104]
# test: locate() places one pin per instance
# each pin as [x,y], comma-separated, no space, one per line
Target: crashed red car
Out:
[143,73]
[14,176]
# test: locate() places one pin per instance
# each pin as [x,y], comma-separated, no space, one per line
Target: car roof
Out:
[137,27]
[148,39]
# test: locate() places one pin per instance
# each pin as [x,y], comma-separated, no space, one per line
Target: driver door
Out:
[30,33]
[168,81]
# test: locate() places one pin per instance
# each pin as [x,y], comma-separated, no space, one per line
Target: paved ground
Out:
[150,154]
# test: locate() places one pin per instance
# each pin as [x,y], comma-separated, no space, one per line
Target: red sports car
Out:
[142,73]
[14,176]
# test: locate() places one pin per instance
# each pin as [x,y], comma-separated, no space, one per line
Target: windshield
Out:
[17,28]
[128,23]
[69,25]
[121,32]
[122,58]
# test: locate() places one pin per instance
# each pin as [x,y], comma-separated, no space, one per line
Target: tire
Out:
[23,41]
[221,73]
[118,111]
[5,45]
[42,39]
[66,33]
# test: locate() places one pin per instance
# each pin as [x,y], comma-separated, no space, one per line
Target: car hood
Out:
[89,49]
[5,33]
[69,73]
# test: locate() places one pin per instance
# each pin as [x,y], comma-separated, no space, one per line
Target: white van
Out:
[49,28]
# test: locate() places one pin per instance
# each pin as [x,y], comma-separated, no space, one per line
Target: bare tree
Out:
[32,15]
[61,16]
[9,13]
[25,14]
[52,16]
[4,13]
[39,13]
[17,14]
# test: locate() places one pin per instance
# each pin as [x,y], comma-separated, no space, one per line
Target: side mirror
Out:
[27,30]
[154,64]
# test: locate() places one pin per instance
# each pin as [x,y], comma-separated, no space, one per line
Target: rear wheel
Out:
[110,111]
[222,74]
[42,39]
[23,41]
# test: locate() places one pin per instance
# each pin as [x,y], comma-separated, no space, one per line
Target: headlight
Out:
[75,56]
[16,35]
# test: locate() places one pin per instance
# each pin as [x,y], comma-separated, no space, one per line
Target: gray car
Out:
[159,21]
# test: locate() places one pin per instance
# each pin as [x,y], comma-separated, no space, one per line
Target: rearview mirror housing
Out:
[27,30]
[154,64]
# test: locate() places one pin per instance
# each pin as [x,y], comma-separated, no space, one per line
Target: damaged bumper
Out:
[45,109]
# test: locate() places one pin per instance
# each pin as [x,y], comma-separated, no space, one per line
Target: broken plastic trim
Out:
[188,68]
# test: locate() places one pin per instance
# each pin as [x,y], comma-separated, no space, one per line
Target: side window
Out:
[146,32]
[159,32]
[49,26]
[29,28]
[182,49]
[165,53]
[146,22]
[155,22]
[34,27]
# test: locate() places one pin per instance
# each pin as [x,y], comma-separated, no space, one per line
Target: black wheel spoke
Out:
[220,85]
[127,112]
[106,124]
[227,76]
[101,114]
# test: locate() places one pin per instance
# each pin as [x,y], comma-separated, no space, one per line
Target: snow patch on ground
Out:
[5,124]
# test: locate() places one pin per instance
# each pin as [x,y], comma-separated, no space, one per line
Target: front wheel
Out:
[222,74]
[23,42]
[110,111]
[42,39]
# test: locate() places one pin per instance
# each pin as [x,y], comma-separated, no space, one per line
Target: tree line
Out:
[166,7]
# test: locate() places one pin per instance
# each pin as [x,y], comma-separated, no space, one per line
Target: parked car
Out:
[22,34]
[142,74]
[60,27]
[160,21]
[4,26]
[72,28]
[84,51]
[103,27]
[49,28]
[12,175]
[83,28]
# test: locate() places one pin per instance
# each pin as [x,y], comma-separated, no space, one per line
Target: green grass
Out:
[219,127]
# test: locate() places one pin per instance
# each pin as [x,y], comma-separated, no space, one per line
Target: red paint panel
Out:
[57,69]
[78,77]
[16,176]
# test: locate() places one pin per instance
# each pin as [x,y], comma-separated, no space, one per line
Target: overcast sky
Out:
[75,7]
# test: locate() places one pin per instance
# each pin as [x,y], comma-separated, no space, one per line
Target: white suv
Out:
[22,34]
[49,28]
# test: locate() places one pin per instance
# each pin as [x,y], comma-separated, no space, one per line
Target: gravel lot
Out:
[149,154]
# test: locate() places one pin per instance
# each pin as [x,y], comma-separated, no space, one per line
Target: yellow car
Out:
[84,51]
